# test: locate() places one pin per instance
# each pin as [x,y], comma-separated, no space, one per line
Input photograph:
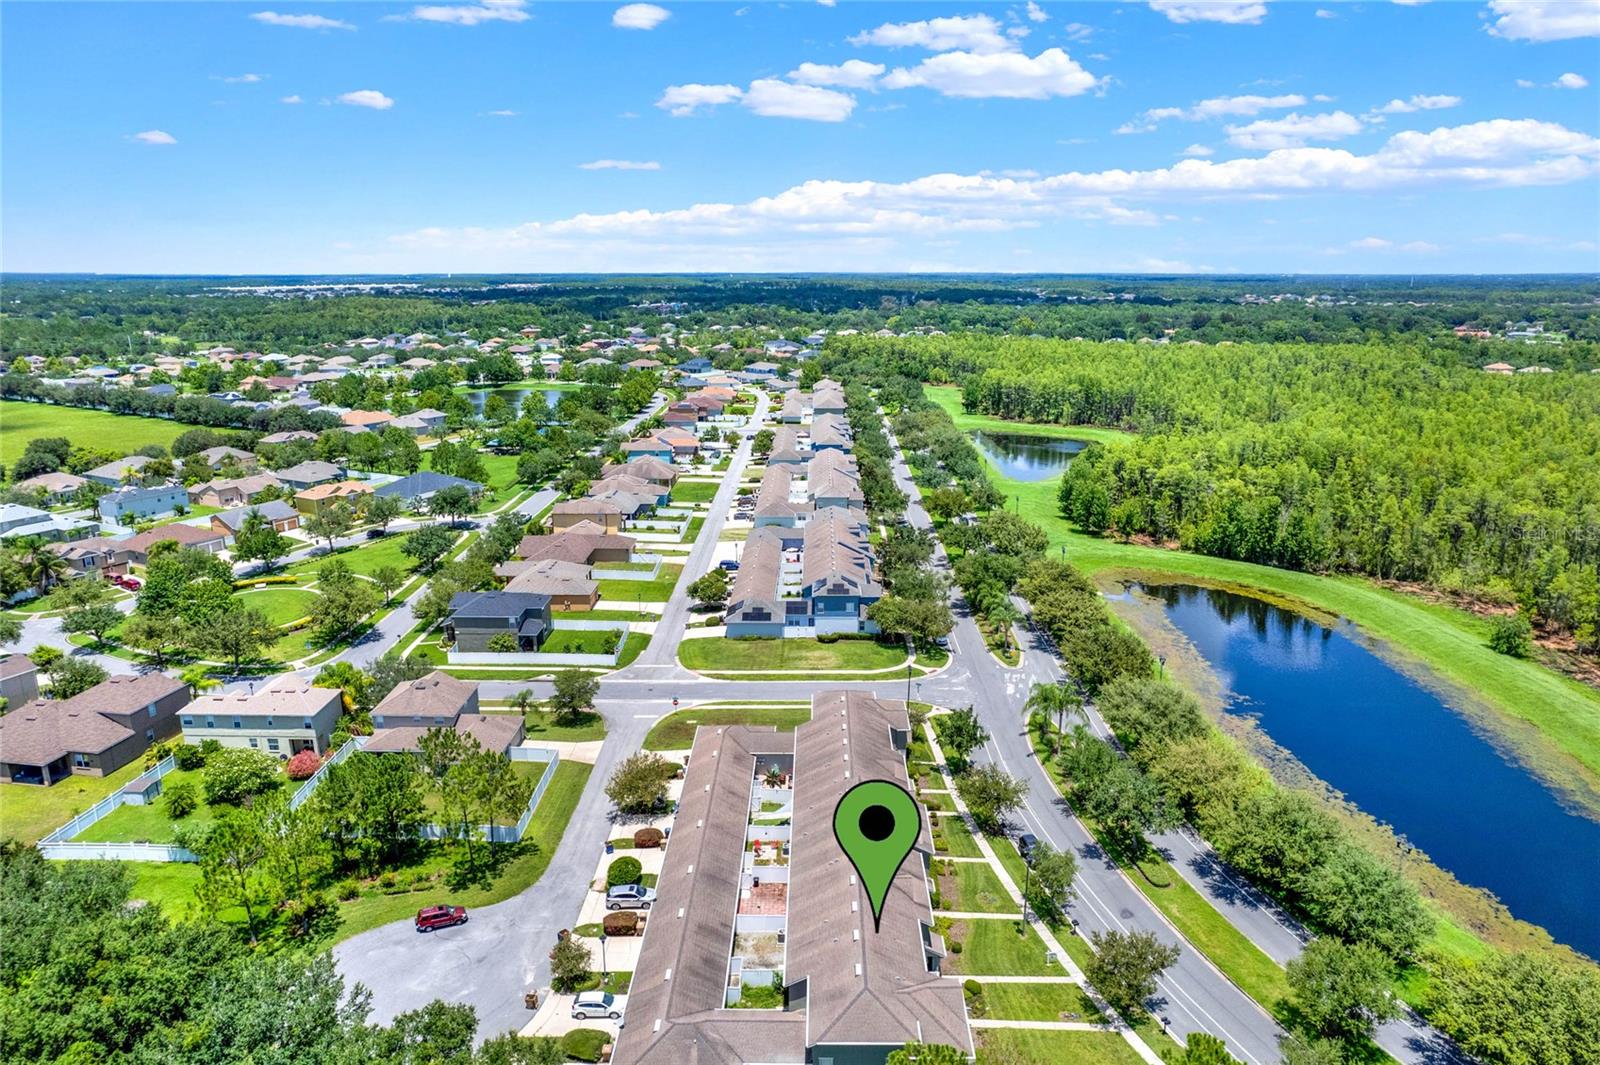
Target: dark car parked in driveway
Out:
[432,918]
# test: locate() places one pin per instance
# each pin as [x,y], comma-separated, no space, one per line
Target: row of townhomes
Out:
[97,732]
[730,918]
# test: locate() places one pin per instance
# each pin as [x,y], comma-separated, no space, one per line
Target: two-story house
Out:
[286,717]
[93,733]
[477,617]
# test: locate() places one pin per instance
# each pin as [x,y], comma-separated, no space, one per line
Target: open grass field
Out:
[1449,644]
[992,947]
[724,654]
[121,434]
[150,824]
[675,732]
[954,838]
[541,725]
[281,604]
[502,470]
[28,812]
[364,560]
[578,642]
[694,491]
[618,594]
[1038,1002]
[1014,1046]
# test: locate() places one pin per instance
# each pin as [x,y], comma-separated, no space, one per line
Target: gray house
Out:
[305,475]
[478,617]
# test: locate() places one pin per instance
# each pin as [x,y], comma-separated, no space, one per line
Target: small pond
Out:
[513,396]
[1399,752]
[1027,456]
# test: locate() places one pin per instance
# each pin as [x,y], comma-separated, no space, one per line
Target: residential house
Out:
[568,585]
[796,408]
[648,447]
[828,398]
[762,369]
[306,474]
[653,470]
[19,681]
[477,617]
[438,700]
[320,497]
[424,422]
[780,347]
[94,556]
[286,717]
[93,733]
[683,414]
[232,492]
[135,550]
[218,457]
[655,494]
[569,512]
[851,995]
[287,438]
[17,521]
[58,487]
[808,581]
[136,502]
[366,419]
[420,487]
[276,512]
[584,542]
[113,474]
[834,480]
[684,445]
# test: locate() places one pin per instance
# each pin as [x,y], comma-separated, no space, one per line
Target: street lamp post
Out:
[602,961]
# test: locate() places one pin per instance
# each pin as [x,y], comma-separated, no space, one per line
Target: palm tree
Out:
[1003,613]
[43,566]
[1054,700]
[199,678]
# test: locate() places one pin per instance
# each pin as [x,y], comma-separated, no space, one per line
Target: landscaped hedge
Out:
[647,838]
[622,923]
[624,870]
[253,582]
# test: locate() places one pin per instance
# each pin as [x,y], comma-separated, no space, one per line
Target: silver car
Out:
[630,897]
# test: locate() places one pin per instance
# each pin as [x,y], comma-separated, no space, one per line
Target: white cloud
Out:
[851,74]
[1294,130]
[504,112]
[779,99]
[827,3]
[155,136]
[1007,74]
[301,22]
[472,14]
[295,99]
[619,164]
[1524,83]
[1215,107]
[682,100]
[367,98]
[1570,80]
[1414,247]
[970,33]
[1197,151]
[639,16]
[820,221]
[1233,12]
[1323,12]
[1078,31]
[1417,103]
[1036,13]
[1545,20]
[245,79]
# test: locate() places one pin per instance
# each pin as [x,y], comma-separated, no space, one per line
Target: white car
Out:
[596,1005]
[630,896]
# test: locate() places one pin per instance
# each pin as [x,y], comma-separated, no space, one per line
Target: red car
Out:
[432,918]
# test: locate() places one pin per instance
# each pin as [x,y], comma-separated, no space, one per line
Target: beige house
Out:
[283,719]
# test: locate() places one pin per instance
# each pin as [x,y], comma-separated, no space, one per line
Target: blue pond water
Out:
[1025,456]
[514,396]
[1397,751]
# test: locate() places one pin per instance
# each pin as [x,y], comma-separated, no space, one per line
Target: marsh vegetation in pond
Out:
[1026,456]
[1398,751]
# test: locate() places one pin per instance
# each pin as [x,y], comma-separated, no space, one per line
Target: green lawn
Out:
[675,732]
[120,434]
[622,567]
[150,824]
[618,594]
[992,947]
[28,812]
[541,725]
[579,642]
[721,654]
[955,838]
[1024,1046]
[1038,1002]
[281,604]
[501,469]
[940,802]
[365,560]
[694,491]
[173,885]
[973,887]
[1451,643]
[532,771]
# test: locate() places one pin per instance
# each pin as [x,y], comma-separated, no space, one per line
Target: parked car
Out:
[130,583]
[630,897]
[596,1004]
[728,564]
[942,641]
[1026,841]
[375,534]
[433,918]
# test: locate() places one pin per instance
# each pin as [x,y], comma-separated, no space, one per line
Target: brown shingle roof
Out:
[44,730]
[436,695]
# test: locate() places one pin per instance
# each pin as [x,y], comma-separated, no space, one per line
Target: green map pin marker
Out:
[877,824]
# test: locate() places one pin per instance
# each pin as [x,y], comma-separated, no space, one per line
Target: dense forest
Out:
[1391,461]
[111,316]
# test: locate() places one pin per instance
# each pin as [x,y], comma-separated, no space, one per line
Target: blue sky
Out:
[496,135]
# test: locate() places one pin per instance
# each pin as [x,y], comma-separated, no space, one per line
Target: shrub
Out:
[972,988]
[623,923]
[828,637]
[647,838]
[304,765]
[624,870]
[348,889]
[1511,636]
[503,643]
[235,773]
[189,757]
[584,1044]
[955,946]
[180,799]
[158,753]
